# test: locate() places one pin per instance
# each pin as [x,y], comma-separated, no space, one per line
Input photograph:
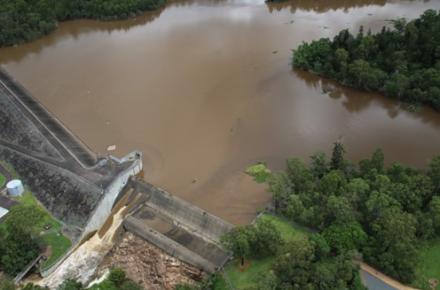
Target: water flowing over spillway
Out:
[82,263]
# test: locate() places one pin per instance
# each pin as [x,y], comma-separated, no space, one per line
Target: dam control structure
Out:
[69,180]
[80,188]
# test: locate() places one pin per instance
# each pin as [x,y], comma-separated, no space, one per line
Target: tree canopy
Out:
[378,213]
[25,20]
[19,244]
[259,240]
[402,62]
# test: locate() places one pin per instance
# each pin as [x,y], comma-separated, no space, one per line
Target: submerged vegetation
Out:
[25,20]
[378,214]
[402,62]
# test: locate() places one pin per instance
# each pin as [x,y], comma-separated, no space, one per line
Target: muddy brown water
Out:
[205,88]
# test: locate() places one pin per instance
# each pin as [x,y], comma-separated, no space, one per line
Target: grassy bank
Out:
[2,180]
[255,268]
[56,242]
[429,265]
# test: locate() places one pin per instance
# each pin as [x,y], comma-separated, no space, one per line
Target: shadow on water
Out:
[356,101]
[73,29]
[321,6]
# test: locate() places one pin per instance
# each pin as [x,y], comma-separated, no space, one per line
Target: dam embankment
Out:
[69,180]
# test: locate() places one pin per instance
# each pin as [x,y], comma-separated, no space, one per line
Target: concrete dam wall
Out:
[211,226]
[177,227]
[68,179]
[80,188]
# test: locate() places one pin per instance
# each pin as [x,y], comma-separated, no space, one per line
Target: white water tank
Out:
[15,187]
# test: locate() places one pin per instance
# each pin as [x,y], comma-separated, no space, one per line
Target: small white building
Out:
[15,187]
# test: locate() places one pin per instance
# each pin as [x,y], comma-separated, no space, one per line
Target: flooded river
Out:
[205,88]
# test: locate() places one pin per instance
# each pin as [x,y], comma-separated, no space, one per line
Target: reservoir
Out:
[205,88]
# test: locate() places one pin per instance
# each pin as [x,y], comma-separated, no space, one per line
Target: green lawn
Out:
[59,246]
[257,267]
[10,169]
[2,180]
[429,265]
[58,243]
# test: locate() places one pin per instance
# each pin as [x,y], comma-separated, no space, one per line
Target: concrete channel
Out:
[180,229]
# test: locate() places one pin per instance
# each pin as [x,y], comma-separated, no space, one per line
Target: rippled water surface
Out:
[205,88]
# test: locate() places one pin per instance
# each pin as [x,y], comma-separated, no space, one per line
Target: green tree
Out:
[267,238]
[319,165]
[393,248]
[337,161]
[281,188]
[338,209]
[294,265]
[300,176]
[345,237]
[19,248]
[322,248]
[70,284]
[130,285]
[401,62]
[238,242]
[357,192]
[434,211]
[333,183]
[117,276]
[434,173]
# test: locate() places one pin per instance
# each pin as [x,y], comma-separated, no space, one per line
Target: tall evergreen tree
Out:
[337,162]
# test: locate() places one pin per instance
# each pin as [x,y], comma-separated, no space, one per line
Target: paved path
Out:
[384,278]
[21,275]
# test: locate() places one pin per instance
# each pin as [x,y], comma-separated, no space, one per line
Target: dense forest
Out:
[25,20]
[366,212]
[402,62]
